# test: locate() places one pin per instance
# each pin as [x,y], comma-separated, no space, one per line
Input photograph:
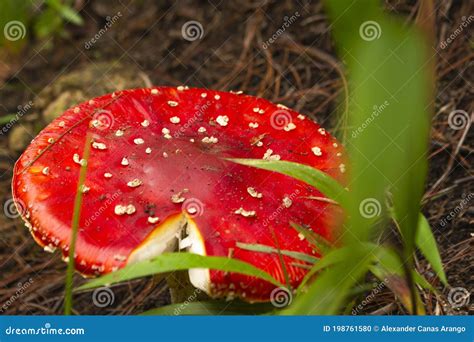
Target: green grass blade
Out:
[268,249]
[426,242]
[75,225]
[326,296]
[169,262]
[215,308]
[320,243]
[314,177]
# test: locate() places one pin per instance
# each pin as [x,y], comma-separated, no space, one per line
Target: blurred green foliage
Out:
[24,19]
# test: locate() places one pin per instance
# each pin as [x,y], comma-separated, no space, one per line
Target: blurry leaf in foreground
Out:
[169,262]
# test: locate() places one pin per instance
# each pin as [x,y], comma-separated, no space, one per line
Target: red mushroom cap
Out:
[158,164]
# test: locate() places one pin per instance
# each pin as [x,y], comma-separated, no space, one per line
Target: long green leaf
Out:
[75,226]
[314,177]
[426,242]
[268,249]
[178,261]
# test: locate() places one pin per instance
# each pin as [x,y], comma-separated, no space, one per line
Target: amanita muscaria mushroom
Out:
[158,164]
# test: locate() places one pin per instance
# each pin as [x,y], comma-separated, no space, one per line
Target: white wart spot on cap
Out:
[124,161]
[107,175]
[138,141]
[118,133]
[99,145]
[148,150]
[253,124]
[301,116]
[222,120]
[154,91]
[217,97]
[78,159]
[254,193]
[245,213]
[124,209]
[134,183]
[322,131]
[145,123]
[153,219]
[270,156]
[287,202]
[172,103]
[202,129]
[317,151]
[175,120]
[210,140]
[291,126]
[342,168]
